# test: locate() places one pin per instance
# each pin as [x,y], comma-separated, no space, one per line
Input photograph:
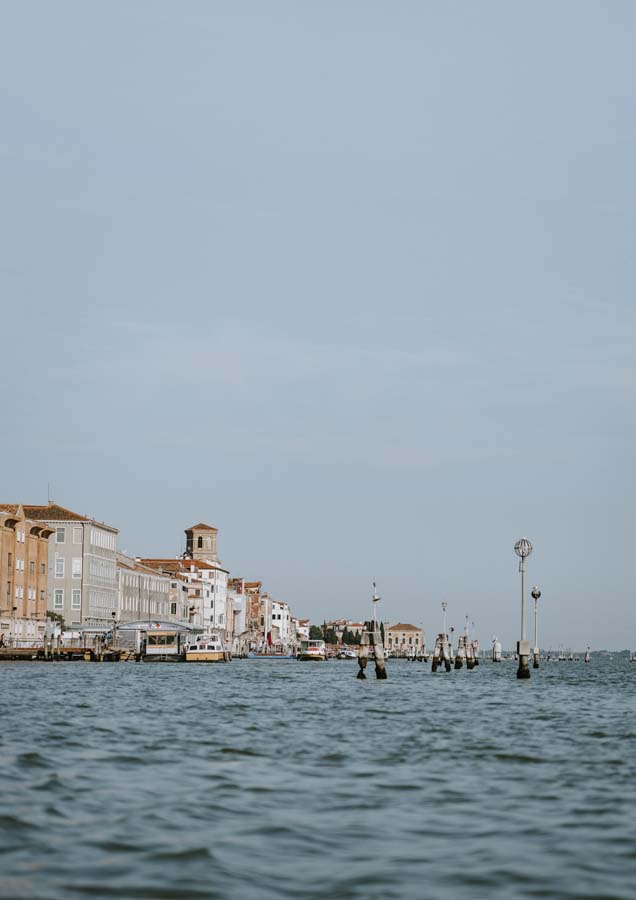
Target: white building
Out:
[206,594]
[281,624]
[142,592]
[237,600]
[301,627]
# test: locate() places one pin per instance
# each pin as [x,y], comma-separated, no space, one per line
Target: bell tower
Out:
[201,542]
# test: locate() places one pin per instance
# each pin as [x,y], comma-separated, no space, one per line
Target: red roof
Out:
[52,512]
[179,565]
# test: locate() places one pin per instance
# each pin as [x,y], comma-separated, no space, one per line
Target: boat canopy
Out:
[158,625]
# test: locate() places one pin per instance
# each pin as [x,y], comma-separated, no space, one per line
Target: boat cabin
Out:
[162,643]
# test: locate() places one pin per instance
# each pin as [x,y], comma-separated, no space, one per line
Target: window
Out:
[77,535]
[76,600]
[59,567]
[41,596]
[77,567]
[60,535]
[10,559]
[43,568]
[173,609]
[59,598]
[199,543]
[31,568]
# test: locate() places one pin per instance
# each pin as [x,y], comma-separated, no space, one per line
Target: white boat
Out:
[313,651]
[207,648]
[347,654]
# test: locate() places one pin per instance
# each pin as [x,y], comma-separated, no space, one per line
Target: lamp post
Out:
[536,593]
[523,549]
[376,600]
[444,608]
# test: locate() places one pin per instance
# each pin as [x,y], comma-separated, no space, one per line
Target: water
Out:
[281,779]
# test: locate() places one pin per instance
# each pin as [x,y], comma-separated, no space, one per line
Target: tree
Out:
[315,633]
[330,636]
[56,617]
[346,635]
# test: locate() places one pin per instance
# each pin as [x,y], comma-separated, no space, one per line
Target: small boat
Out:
[347,654]
[313,651]
[276,654]
[207,648]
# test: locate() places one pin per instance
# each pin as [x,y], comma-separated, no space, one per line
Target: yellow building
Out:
[24,558]
[403,639]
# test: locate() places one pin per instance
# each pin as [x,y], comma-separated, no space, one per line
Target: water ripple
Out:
[276,780]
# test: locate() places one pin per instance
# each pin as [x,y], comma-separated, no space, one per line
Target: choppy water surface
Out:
[282,779]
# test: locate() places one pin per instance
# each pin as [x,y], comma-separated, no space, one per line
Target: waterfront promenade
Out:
[266,779]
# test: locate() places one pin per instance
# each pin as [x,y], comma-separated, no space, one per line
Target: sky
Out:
[353,282]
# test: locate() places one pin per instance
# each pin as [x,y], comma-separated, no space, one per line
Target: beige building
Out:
[201,542]
[24,571]
[82,571]
[403,639]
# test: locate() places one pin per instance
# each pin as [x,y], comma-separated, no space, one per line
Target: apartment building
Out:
[82,584]
[142,592]
[24,569]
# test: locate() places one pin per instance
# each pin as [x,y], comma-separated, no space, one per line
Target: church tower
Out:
[201,542]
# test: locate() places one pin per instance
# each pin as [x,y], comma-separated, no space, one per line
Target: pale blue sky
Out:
[353,282]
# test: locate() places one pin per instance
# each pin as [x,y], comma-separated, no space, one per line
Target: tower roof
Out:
[201,527]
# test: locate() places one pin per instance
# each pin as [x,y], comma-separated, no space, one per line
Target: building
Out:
[24,569]
[253,611]
[82,565]
[301,629]
[281,623]
[206,594]
[403,639]
[237,600]
[201,542]
[142,592]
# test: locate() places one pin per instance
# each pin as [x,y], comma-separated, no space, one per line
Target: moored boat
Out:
[207,648]
[313,651]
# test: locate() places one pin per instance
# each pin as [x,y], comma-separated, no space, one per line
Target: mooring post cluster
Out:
[536,593]
[372,638]
[441,653]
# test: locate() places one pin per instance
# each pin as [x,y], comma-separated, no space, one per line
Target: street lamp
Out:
[536,593]
[523,549]
[376,600]
[444,608]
